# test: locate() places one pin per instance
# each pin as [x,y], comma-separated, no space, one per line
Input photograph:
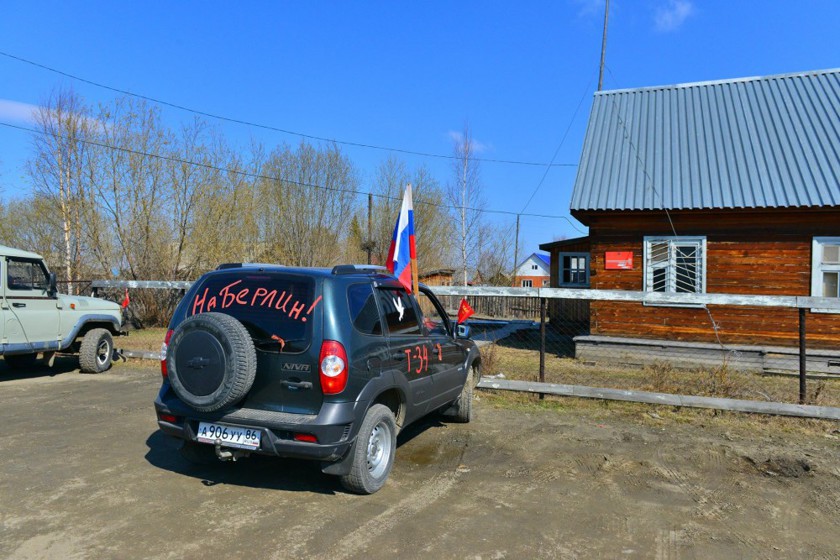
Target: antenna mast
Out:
[604,46]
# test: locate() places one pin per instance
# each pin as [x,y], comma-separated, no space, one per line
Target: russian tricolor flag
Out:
[402,256]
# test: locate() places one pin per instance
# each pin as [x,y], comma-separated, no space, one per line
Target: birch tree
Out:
[464,192]
[57,169]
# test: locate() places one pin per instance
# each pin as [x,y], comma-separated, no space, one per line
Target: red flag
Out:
[125,300]
[464,311]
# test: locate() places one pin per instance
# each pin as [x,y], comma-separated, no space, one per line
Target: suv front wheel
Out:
[373,452]
[461,409]
[96,351]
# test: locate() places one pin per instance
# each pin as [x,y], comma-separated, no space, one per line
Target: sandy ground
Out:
[84,473]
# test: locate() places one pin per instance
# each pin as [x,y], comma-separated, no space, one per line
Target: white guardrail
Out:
[651,298]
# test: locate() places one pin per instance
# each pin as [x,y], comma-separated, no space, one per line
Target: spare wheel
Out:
[211,361]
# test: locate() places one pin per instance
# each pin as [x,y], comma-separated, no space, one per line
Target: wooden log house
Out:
[730,186]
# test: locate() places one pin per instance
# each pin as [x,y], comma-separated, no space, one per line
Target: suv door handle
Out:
[18,304]
[296,385]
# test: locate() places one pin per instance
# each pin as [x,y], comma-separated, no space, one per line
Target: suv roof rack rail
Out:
[357,268]
[223,266]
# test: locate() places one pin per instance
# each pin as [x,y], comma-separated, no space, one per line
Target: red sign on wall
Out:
[619,260]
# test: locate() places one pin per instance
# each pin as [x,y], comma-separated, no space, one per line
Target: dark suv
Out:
[322,364]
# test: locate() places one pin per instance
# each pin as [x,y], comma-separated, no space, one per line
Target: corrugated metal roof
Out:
[768,142]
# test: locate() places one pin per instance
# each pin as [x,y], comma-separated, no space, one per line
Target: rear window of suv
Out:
[277,309]
[363,311]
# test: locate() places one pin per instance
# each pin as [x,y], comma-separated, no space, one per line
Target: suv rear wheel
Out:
[373,452]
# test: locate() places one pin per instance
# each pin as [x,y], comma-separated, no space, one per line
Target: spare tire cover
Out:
[211,361]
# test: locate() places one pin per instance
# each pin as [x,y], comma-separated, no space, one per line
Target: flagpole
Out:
[415,281]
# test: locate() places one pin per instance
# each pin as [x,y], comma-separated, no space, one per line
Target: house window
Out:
[825,269]
[545,283]
[527,283]
[574,269]
[534,267]
[675,265]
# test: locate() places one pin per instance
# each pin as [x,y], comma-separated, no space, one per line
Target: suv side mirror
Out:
[52,290]
[462,331]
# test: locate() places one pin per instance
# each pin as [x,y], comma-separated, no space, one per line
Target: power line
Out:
[560,145]
[174,159]
[269,127]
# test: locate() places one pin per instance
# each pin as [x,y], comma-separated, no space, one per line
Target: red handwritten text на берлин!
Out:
[229,295]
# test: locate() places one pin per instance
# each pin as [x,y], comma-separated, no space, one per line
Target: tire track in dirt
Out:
[447,468]
[431,491]
[710,502]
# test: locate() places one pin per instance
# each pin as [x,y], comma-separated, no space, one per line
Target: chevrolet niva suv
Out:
[321,364]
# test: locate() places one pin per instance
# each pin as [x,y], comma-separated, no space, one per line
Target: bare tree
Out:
[465,195]
[307,205]
[492,263]
[431,217]
[57,168]
[131,188]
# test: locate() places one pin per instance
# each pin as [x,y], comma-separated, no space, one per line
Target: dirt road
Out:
[84,473]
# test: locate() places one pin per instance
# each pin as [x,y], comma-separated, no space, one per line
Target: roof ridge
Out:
[722,81]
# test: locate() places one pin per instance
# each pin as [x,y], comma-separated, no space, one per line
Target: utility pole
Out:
[515,248]
[604,46]
[369,244]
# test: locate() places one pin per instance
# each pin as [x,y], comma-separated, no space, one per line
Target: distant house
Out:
[533,272]
[437,277]
[730,186]
[569,260]
[569,269]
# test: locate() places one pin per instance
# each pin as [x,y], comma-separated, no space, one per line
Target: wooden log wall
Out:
[747,252]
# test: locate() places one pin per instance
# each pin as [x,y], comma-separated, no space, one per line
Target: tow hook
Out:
[227,454]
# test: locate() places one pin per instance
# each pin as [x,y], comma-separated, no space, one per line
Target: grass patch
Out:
[520,362]
[594,410]
[145,339]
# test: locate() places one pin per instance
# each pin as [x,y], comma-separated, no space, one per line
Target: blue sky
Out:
[404,75]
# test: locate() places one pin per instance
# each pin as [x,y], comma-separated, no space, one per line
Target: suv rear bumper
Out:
[333,427]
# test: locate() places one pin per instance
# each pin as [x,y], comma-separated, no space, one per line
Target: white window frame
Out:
[817,268]
[527,283]
[647,278]
[560,257]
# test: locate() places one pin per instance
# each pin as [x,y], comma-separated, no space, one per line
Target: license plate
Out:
[229,436]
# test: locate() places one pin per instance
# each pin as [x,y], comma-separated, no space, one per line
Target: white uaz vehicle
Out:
[36,319]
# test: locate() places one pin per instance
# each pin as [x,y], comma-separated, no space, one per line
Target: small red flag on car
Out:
[464,311]
[125,300]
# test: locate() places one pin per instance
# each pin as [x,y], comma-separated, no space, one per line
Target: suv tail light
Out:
[333,367]
[163,348]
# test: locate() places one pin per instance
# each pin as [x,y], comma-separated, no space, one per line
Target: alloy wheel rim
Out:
[102,352]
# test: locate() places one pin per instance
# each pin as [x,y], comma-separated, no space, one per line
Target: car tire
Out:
[21,361]
[96,351]
[373,452]
[461,409]
[211,361]
[198,453]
